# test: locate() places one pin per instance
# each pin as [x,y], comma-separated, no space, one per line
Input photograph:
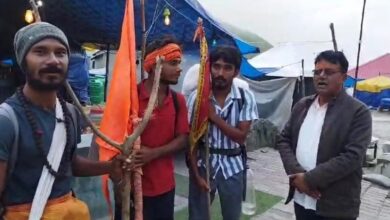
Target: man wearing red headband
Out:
[166,132]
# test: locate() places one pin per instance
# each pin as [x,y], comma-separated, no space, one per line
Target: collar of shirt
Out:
[317,106]
[143,93]
[234,94]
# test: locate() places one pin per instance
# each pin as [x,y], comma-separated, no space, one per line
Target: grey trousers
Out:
[229,191]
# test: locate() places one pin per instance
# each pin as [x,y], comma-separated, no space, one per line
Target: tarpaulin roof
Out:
[99,21]
[372,91]
[285,59]
[377,67]
[375,84]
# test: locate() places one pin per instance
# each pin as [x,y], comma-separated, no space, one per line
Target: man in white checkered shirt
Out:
[232,110]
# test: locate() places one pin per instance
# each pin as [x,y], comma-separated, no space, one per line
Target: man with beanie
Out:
[40,132]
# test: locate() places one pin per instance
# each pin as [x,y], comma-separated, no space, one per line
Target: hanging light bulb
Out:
[28,16]
[214,43]
[166,14]
[40,3]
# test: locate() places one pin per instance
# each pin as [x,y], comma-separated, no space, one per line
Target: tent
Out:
[377,67]
[285,59]
[371,91]
[99,21]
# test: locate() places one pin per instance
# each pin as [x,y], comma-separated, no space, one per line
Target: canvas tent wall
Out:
[371,91]
[285,59]
[379,66]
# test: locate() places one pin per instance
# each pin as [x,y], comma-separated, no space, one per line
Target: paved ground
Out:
[270,177]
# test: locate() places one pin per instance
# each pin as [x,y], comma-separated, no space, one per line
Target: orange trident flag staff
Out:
[201,108]
[122,102]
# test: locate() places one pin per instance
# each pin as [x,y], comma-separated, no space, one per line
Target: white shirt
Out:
[307,147]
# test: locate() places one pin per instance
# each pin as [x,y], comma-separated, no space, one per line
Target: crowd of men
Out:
[322,146]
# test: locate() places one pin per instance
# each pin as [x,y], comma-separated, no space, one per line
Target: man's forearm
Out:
[85,167]
[172,147]
[232,132]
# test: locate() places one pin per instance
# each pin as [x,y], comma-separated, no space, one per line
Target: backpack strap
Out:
[75,122]
[241,101]
[175,105]
[7,111]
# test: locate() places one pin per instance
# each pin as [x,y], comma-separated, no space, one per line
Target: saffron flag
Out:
[201,108]
[122,102]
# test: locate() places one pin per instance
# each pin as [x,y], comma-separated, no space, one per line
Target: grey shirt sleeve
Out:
[7,135]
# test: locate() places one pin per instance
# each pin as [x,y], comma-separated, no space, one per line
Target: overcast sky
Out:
[308,20]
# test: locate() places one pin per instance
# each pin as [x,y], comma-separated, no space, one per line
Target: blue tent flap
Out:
[99,21]
[249,71]
[371,98]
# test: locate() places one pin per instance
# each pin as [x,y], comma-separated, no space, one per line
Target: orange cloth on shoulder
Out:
[169,52]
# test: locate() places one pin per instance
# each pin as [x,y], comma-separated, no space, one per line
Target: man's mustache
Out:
[219,78]
[51,69]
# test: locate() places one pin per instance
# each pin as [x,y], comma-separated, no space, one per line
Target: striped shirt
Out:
[231,113]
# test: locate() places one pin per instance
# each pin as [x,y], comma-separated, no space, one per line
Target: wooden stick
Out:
[133,137]
[207,163]
[359,46]
[35,11]
[333,36]
[76,102]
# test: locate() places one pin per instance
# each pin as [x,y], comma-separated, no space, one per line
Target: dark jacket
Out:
[345,135]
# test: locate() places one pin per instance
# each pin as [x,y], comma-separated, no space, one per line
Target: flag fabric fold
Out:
[122,101]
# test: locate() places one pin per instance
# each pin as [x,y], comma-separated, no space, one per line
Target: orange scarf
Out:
[169,52]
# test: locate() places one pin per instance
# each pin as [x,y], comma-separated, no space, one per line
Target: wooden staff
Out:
[133,137]
[331,26]
[359,46]
[126,147]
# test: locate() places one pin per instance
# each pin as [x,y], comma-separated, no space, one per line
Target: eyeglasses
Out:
[327,72]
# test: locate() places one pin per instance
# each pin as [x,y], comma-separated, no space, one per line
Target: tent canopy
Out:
[377,67]
[376,84]
[285,60]
[99,21]
[372,91]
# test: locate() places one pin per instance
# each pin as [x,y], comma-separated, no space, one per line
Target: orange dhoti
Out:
[62,208]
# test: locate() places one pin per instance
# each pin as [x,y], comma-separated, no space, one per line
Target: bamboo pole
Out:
[207,163]
[359,46]
[331,26]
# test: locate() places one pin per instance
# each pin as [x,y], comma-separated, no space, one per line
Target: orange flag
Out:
[201,108]
[122,101]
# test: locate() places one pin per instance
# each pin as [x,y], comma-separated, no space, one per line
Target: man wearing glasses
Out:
[323,145]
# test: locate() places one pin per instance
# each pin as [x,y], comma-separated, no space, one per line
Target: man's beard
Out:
[220,83]
[38,85]
[168,82]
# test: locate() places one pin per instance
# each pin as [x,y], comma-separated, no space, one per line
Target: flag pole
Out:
[143,46]
[359,46]
[207,163]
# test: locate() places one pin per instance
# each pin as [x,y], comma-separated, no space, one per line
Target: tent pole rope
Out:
[359,46]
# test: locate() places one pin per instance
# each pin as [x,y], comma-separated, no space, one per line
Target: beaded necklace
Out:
[38,133]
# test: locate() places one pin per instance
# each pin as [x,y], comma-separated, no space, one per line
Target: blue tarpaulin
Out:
[99,21]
